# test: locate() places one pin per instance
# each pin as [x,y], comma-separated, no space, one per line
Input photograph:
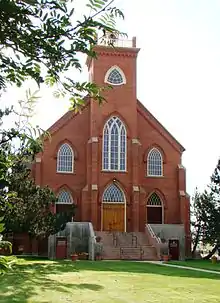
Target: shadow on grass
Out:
[31,277]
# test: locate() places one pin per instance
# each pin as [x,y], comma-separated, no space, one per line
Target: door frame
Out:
[156,206]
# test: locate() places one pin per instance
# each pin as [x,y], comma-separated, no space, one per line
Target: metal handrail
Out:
[141,253]
[115,42]
[115,240]
[152,233]
[121,252]
[133,239]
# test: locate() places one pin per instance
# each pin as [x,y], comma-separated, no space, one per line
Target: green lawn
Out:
[204,264]
[105,282]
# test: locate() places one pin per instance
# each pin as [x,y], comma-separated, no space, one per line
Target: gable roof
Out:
[159,127]
[140,108]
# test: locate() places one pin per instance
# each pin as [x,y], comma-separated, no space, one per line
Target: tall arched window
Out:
[65,158]
[114,145]
[113,194]
[64,197]
[154,163]
[115,76]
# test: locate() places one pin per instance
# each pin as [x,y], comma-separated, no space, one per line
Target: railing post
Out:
[132,240]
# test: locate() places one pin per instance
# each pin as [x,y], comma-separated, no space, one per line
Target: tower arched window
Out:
[114,145]
[154,163]
[115,76]
[65,158]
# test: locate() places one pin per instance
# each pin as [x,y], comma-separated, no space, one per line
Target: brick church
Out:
[116,162]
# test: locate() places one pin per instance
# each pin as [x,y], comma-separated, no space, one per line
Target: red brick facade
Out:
[84,133]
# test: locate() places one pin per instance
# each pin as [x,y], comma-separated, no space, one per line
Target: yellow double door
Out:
[113,217]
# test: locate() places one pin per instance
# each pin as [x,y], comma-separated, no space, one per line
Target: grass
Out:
[203,264]
[43,281]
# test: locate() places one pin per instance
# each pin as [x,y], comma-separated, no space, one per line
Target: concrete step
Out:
[126,246]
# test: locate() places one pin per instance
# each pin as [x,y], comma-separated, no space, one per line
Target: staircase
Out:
[127,246]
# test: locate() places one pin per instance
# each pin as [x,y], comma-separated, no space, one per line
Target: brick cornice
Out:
[117,54]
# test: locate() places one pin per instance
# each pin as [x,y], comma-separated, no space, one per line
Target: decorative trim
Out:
[86,188]
[119,54]
[182,193]
[180,166]
[93,140]
[136,188]
[135,141]
[115,67]
[94,187]
[38,160]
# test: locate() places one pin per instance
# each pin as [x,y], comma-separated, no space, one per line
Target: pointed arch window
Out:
[65,158]
[114,145]
[64,197]
[155,212]
[113,194]
[154,163]
[115,76]
[154,200]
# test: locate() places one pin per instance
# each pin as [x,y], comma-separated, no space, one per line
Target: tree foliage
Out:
[41,39]
[206,214]
[31,209]
[5,262]
[24,206]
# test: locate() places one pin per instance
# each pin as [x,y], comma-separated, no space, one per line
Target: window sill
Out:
[113,171]
[65,173]
[154,176]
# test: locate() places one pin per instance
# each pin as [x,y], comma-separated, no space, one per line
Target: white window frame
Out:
[154,205]
[148,162]
[157,206]
[65,192]
[58,157]
[119,145]
[120,71]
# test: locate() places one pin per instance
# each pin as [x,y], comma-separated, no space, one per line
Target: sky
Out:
[178,76]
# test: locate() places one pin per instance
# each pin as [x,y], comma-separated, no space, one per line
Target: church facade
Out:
[115,161]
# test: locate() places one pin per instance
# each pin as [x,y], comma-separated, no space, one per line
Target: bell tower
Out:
[114,66]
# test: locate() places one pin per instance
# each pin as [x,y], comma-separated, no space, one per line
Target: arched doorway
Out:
[154,209]
[65,204]
[113,209]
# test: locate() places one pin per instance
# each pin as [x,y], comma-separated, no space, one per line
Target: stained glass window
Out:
[154,163]
[65,159]
[64,197]
[113,194]
[115,76]
[114,145]
[154,200]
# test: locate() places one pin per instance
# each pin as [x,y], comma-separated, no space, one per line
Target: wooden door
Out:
[174,249]
[113,216]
